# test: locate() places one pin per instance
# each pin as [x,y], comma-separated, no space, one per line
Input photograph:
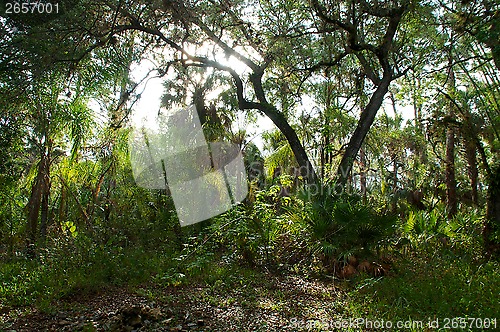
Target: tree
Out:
[451,187]
[481,19]
[45,86]
[203,21]
[376,54]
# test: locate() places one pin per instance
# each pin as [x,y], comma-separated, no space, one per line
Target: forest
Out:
[249,165]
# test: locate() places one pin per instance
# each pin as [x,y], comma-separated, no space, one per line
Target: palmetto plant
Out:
[422,223]
[343,226]
[462,233]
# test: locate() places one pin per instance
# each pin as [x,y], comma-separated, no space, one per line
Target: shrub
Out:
[343,226]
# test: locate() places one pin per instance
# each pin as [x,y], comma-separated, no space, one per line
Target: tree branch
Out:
[321,11]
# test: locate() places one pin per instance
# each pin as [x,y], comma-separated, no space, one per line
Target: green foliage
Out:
[280,230]
[439,273]
[281,157]
[459,236]
[75,264]
[270,231]
[427,286]
[425,223]
[344,226]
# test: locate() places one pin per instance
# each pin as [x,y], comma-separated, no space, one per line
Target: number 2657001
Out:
[31,8]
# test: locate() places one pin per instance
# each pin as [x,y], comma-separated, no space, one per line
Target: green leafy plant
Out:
[344,226]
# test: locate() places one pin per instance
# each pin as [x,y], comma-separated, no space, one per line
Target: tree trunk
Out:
[33,211]
[362,154]
[362,172]
[325,154]
[451,186]
[492,222]
[323,158]
[44,214]
[364,124]
[451,189]
[472,170]
[394,205]
[306,167]
[34,204]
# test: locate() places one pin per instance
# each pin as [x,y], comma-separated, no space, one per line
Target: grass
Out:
[58,274]
[427,288]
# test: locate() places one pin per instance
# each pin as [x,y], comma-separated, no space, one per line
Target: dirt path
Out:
[272,304]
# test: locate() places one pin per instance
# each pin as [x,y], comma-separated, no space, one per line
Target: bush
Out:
[344,226]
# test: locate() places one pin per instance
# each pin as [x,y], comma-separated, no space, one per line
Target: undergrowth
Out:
[435,272]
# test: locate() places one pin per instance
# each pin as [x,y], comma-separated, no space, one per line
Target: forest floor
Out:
[268,303]
[222,295]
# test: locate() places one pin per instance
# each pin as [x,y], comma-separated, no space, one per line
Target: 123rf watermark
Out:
[362,323]
[31,7]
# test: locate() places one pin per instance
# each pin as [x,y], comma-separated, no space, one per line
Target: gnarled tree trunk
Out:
[306,167]
[364,124]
